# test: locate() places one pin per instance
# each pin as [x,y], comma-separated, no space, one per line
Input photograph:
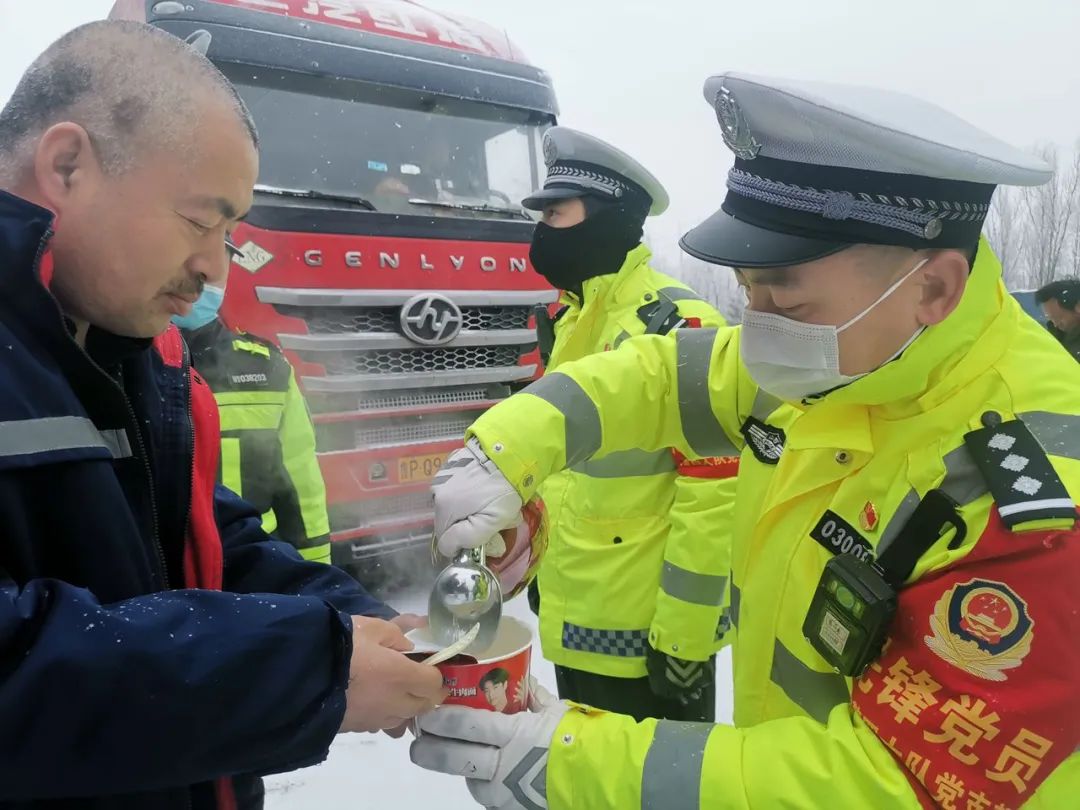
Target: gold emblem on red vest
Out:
[982,627]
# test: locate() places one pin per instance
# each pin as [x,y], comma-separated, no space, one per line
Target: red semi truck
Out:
[386,252]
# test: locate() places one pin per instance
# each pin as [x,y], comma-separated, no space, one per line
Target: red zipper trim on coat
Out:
[203,555]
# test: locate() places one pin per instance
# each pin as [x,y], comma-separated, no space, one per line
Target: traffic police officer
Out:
[267,439]
[636,569]
[905,546]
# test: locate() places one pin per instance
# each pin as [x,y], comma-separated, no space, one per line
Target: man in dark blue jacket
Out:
[157,649]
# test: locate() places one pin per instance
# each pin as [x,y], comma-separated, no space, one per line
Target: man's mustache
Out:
[185,289]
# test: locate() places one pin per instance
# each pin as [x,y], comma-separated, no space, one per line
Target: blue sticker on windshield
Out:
[377,166]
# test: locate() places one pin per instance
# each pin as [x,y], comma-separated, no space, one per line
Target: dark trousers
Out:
[631,696]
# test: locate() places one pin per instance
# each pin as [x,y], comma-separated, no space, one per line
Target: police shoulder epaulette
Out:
[1024,483]
[660,315]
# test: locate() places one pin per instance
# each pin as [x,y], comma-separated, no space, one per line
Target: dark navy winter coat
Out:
[119,689]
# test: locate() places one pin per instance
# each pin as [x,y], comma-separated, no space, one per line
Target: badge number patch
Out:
[835,534]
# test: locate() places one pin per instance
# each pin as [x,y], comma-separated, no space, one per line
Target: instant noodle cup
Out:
[497,679]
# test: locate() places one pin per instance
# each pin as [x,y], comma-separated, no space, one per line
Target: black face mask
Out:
[567,257]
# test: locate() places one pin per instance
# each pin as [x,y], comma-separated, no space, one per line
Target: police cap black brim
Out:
[544,196]
[722,239]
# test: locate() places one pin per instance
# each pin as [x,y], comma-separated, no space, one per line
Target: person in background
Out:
[267,438]
[1060,302]
[631,590]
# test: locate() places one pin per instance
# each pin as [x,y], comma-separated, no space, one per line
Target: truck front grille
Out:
[321,403]
[390,361]
[361,362]
[414,431]
[333,320]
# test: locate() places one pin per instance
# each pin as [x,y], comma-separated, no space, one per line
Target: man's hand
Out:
[473,500]
[386,688]
[673,678]
[502,756]
[409,621]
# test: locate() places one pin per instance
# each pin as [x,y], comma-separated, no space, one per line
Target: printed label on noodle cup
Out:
[497,679]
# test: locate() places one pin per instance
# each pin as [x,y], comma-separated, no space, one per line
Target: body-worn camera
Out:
[855,601]
[850,614]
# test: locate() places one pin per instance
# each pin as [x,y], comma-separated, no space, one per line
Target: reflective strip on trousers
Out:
[628,463]
[699,425]
[24,437]
[580,415]
[689,586]
[619,643]
[671,776]
[816,693]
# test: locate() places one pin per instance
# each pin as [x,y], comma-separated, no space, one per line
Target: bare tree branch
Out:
[1006,231]
[1049,211]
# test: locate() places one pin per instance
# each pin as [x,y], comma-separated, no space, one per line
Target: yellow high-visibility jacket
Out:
[638,553]
[972,703]
[267,438]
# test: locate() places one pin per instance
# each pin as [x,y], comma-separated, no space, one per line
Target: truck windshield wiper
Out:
[312,194]
[480,207]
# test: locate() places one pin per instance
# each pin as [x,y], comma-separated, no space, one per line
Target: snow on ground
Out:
[374,771]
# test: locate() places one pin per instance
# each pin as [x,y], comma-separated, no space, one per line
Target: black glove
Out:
[674,678]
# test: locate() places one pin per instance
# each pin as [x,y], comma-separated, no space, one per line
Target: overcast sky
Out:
[630,71]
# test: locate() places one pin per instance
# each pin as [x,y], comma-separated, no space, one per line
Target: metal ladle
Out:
[466,594]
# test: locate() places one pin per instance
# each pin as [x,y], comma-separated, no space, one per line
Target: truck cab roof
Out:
[385,42]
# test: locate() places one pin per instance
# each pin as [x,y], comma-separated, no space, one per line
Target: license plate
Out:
[419,468]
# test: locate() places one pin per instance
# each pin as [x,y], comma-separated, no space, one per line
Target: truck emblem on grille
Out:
[430,319]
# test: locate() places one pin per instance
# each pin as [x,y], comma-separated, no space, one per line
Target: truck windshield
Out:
[405,152]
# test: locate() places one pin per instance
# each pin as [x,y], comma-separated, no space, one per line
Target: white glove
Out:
[502,756]
[473,500]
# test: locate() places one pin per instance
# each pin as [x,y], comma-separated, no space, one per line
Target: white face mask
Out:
[794,360]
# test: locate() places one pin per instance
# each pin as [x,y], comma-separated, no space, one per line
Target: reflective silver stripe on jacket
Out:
[620,643]
[628,463]
[699,425]
[1058,433]
[24,437]
[676,294]
[671,776]
[764,404]
[816,693]
[736,598]
[963,482]
[582,419]
[689,586]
